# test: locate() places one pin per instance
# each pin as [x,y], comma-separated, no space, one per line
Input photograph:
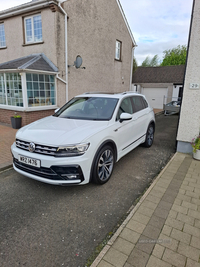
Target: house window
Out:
[33,29]
[2,36]
[40,90]
[118,50]
[11,89]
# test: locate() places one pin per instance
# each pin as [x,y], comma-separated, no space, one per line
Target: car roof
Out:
[108,94]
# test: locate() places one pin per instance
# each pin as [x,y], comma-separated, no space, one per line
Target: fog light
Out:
[72,172]
[70,176]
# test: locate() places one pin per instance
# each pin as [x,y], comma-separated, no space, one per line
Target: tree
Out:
[175,56]
[155,61]
[135,65]
[146,62]
[151,62]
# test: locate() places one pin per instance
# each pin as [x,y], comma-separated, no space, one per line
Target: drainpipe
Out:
[60,79]
[66,51]
[131,77]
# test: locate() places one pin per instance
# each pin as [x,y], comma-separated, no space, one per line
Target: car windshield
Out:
[88,108]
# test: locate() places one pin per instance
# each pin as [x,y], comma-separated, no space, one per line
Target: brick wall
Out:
[27,117]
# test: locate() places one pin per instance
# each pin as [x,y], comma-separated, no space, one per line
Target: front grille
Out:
[40,149]
[52,173]
[41,172]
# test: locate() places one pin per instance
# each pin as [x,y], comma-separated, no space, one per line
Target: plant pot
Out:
[16,122]
[196,155]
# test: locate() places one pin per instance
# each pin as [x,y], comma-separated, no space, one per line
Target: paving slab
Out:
[163,229]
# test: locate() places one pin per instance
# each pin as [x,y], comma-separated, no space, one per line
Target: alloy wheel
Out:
[105,165]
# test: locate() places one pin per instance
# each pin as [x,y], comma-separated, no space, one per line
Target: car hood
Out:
[59,131]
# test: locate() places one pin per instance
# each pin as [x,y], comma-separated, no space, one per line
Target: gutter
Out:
[11,12]
[27,70]
[60,79]
[131,76]
[66,52]
[126,22]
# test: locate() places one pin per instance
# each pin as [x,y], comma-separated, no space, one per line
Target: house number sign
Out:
[194,85]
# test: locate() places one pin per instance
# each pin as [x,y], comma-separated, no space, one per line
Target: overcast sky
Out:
[157,25]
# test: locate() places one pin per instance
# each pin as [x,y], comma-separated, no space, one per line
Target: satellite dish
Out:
[78,62]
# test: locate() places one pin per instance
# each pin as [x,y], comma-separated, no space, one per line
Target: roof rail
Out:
[112,93]
[129,92]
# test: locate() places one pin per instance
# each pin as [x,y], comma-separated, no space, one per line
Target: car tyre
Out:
[149,136]
[103,165]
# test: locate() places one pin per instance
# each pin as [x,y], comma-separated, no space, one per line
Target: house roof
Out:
[27,7]
[126,22]
[37,62]
[38,4]
[165,74]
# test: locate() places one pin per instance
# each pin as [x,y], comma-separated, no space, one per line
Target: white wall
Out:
[189,125]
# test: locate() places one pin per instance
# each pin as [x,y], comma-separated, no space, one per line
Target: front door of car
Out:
[126,132]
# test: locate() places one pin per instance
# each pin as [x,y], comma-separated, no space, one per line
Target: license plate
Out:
[30,161]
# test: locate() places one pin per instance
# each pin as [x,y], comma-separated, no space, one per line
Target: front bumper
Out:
[56,171]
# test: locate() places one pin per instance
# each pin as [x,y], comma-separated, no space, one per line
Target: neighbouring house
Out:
[51,51]
[160,85]
[189,124]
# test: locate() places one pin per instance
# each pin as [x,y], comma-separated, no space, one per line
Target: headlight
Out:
[72,150]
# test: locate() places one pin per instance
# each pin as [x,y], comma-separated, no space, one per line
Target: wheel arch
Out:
[106,142]
[152,123]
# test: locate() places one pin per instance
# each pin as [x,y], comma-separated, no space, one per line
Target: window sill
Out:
[4,47]
[119,60]
[33,43]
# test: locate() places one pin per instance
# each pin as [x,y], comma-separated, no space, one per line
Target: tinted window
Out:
[138,103]
[88,108]
[125,107]
[145,102]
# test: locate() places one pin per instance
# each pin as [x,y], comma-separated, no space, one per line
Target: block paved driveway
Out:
[7,136]
[163,229]
[44,225]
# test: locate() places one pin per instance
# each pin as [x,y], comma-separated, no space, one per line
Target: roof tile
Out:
[165,74]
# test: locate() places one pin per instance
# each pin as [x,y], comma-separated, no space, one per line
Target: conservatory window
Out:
[40,90]
[2,90]
[11,89]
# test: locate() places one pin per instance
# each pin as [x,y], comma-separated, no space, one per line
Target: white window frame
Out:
[32,29]
[38,82]
[3,46]
[26,107]
[118,50]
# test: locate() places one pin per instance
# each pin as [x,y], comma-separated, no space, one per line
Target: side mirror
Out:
[56,110]
[125,117]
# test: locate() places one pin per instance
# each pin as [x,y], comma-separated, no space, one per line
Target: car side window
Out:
[125,107]
[138,103]
[145,102]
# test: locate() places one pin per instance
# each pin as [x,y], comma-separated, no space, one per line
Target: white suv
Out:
[81,142]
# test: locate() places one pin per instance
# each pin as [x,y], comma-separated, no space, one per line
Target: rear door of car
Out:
[141,111]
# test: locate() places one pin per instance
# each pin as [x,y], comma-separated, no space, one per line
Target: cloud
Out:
[157,25]
[11,3]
